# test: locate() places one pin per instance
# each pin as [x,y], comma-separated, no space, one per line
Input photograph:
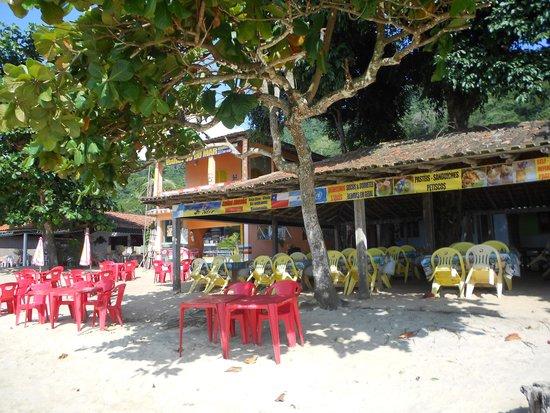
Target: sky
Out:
[7,17]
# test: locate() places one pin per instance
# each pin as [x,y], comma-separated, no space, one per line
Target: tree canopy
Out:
[149,74]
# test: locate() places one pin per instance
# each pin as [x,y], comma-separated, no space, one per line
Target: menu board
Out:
[530,170]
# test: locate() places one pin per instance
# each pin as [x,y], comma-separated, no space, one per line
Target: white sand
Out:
[457,360]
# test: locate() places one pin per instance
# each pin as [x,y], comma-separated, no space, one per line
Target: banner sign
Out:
[199,154]
[530,170]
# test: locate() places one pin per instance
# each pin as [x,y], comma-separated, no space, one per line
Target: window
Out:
[265,232]
[167,231]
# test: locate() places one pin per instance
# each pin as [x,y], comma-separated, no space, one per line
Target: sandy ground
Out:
[457,359]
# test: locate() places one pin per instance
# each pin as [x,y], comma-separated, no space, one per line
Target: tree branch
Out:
[316,80]
[277,157]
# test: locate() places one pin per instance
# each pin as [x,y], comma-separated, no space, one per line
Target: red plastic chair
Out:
[53,275]
[105,305]
[105,265]
[33,298]
[240,316]
[27,273]
[128,271]
[185,267]
[135,264]
[161,271]
[285,288]
[7,295]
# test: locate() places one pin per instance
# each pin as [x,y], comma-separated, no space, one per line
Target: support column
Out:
[274,236]
[176,254]
[429,224]
[157,179]
[211,170]
[361,245]
[128,240]
[25,248]
[244,162]
[158,236]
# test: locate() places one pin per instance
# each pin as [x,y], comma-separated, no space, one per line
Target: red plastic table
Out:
[271,303]
[77,297]
[209,303]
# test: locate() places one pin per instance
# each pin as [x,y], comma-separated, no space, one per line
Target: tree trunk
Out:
[325,292]
[49,244]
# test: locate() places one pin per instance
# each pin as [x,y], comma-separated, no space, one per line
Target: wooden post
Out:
[429,225]
[176,254]
[361,245]
[274,236]
[157,179]
[244,162]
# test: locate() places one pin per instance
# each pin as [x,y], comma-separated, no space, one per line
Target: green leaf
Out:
[38,71]
[460,6]
[46,96]
[162,18]
[28,162]
[208,100]
[80,101]
[78,158]
[300,27]
[93,149]
[162,107]
[246,31]
[146,105]
[51,13]
[14,71]
[150,6]
[121,71]
[130,91]
[177,8]
[20,114]
[276,10]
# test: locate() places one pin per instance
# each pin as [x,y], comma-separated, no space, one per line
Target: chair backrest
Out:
[445,257]
[27,273]
[56,271]
[218,263]
[23,285]
[335,258]
[481,255]
[298,256]
[77,274]
[67,279]
[105,284]
[281,262]
[462,246]
[279,254]
[309,256]
[105,265]
[396,253]
[40,287]
[408,248]
[383,249]
[107,274]
[284,288]
[261,264]
[352,260]
[346,252]
[498,245]
[7,291]
[197,265]
[117,295]
[241,288]
[82,284]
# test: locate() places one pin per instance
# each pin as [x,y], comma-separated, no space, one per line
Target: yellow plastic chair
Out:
[284,269]
[445,275]
[279,254]
[479,256]
[352,277]
[335,260]
[502,248]
[462,247]
[498,245]
[298,256]
[402,263]
[383,249]
[196,274]
[408,250]
[309,256]
[218,275]
[262,271]
[347,252]
[379,252]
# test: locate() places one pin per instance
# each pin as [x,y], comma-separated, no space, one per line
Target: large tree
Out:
[149,73]
[30,195]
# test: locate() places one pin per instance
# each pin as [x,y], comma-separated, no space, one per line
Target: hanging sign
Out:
[199,154]
[485,176]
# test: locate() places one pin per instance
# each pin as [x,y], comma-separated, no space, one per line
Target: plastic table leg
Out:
[274,327]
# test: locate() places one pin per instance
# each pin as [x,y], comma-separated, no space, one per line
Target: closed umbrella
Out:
[86,256]
[38,257]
